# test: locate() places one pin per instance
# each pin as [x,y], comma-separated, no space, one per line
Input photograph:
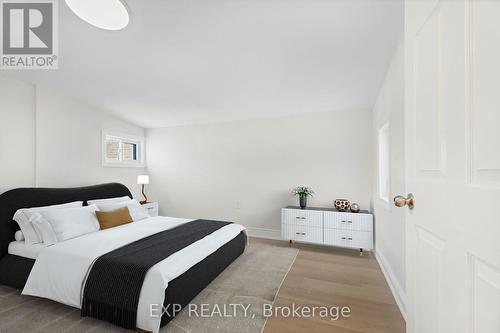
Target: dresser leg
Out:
[290,242]
[360,252]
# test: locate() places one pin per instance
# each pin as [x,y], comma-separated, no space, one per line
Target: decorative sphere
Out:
[355,208]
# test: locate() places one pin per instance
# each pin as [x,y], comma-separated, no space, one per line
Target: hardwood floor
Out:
[325,276]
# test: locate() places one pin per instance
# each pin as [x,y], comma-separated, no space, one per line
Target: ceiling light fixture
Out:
[104,14]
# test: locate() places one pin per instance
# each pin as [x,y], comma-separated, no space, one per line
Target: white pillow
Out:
[23,215]
[18,236]
[137,212]
[72,222]
[107,201]
[43,227]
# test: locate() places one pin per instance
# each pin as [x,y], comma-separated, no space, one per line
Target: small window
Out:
[122,150]
[384,163]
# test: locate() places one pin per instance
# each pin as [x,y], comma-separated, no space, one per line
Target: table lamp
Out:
[142,180]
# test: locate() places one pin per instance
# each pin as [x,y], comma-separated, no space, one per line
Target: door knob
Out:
[400,201]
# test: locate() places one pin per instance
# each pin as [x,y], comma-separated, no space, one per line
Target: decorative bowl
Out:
[341,204]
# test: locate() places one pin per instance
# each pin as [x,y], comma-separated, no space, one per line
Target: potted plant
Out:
[303,192]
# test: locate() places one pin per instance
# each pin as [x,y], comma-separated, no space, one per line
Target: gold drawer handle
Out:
[300,218]
[347,238]
[346,221]
[300,233]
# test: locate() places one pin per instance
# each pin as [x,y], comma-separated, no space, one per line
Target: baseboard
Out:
[396,289]
[264,233]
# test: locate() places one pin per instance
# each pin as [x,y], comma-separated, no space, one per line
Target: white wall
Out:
[50,140]
[390,221]
[68,143]
[243,171]
[17,134]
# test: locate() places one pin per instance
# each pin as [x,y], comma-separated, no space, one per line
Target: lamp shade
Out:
[143,179]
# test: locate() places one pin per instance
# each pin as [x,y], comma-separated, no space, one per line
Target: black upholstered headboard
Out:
[13,200]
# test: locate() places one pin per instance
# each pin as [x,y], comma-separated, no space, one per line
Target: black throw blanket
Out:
[114,283]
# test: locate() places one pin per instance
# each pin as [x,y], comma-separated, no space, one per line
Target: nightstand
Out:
[151,208]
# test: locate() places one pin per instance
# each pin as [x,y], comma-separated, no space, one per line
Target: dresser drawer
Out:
[301,217]
[302,233]
[151,208]
[347,238]
[348,221]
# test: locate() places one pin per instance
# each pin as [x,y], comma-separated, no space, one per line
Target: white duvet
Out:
[60,271]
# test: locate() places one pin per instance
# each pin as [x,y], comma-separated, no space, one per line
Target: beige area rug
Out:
[252,280]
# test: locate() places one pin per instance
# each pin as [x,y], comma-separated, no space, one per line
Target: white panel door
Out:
[453,165]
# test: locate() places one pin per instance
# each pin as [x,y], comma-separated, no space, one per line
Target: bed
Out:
[17,263]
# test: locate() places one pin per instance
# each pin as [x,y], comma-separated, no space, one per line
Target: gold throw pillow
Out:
[113,218]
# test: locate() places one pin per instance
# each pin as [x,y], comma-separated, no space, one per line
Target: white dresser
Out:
[328,226]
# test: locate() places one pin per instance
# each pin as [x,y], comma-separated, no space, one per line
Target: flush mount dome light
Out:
[104,14]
